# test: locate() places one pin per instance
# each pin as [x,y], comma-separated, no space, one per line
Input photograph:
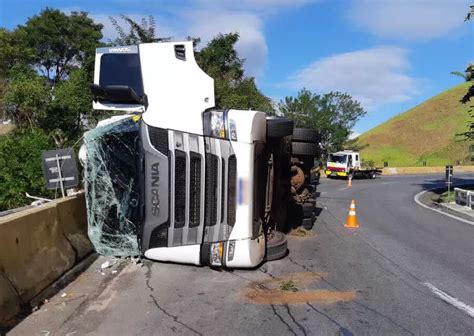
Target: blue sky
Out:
[389,54]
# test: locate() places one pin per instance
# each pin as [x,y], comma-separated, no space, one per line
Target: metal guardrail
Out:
[464,197]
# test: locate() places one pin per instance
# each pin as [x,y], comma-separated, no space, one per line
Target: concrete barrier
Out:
[425,170]
[37,246]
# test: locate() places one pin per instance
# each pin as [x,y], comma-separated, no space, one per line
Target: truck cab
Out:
[200,172]
[342,163]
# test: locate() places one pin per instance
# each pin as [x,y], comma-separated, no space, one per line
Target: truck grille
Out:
[195,190]
[159,139]
[232,181]
[210,217]
[199,174]
[179,189]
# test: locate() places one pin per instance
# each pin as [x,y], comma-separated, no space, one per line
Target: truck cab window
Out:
[121,69]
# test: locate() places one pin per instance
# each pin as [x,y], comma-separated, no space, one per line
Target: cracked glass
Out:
[111,177]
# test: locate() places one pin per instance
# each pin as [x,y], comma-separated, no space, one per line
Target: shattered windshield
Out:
[337,158]
[111,179]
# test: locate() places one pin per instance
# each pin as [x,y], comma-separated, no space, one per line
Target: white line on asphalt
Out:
[342,189]
[417,196]
[451,300]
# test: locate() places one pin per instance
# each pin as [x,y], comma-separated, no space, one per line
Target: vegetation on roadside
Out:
[332,114]
[289,286]
[427,132]
[446,197]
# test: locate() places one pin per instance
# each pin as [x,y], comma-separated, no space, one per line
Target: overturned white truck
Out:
[175,179]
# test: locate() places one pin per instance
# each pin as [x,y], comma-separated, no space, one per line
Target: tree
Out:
[220,60]
[71,103]
[468,76]
[20,167]
[26,97]
[137,33]
[332,114]
[61,42]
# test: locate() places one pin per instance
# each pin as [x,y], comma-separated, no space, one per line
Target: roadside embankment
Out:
[37,246]
[424,170]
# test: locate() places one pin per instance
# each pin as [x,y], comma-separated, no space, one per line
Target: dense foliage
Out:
[332,114]
[20,164]
[46,66]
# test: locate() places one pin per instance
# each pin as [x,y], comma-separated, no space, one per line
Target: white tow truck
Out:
[202,176]
[347,163]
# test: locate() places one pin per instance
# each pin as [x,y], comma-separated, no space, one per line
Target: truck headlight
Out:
[217,254]
[215,124]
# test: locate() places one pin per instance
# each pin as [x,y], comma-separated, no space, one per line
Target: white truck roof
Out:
[347,151]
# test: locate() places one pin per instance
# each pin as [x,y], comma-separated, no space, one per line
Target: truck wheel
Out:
[303,148]
[307,209]
[373,176]
[278,127]
[277,246]
[307,223]
[305,135]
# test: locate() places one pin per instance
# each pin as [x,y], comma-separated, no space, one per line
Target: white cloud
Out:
[408,19]
[254,5]
[373,76]
[207,18]
[251,46]
[354,134]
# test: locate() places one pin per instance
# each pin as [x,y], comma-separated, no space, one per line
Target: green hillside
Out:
[425,132]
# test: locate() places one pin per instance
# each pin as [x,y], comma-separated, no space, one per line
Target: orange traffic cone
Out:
[351,218]
[349,181]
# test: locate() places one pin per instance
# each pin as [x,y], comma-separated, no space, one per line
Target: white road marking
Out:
[451,300]
[342,189]
[417,196]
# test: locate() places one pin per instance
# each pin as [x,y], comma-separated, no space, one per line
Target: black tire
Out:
[307,223]
[314,177]
[311,201]
[303,148]
[305,135]
[308,209]
[278,127]
[277,246]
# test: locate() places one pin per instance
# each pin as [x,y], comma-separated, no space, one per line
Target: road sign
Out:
[449,173]
[59,169]
[449,177]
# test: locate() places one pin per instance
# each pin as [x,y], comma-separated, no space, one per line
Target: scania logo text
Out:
[155,184]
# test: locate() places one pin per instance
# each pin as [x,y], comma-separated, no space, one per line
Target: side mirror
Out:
[120,94]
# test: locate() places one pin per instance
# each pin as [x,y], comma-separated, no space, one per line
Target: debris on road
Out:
[105,265]
[290,289]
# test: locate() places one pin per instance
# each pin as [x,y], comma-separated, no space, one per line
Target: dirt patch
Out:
[272,291]
[301,233]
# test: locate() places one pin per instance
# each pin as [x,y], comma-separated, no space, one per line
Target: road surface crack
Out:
[303,330]
[160,308]
[356,302]
[342,331]
[290,329]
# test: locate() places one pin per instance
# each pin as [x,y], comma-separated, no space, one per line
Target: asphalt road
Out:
[406,270]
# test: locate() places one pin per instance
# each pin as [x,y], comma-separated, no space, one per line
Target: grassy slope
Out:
[427,131]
